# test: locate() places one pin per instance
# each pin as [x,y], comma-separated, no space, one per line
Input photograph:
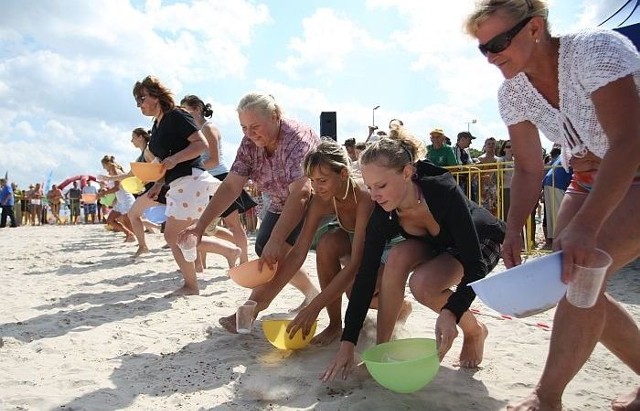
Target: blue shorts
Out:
[90,208]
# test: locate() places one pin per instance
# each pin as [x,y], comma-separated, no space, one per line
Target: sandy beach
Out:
[85,327]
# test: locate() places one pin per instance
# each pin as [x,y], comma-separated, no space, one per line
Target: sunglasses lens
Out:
[498,44]
[495,45]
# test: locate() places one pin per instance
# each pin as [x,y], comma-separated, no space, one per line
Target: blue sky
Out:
[67,68]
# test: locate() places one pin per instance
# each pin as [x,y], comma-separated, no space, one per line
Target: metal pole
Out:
[373,115]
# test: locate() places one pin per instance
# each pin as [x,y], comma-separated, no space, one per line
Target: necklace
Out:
[346,192]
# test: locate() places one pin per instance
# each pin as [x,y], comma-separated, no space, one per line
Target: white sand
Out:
[84,327]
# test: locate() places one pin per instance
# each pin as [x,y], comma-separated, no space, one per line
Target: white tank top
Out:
[222,166]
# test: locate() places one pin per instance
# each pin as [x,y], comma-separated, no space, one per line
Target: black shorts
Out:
[489,249]
[266,227]
[243,203]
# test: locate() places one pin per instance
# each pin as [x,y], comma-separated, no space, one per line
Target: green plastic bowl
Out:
[405,365]
[108,199]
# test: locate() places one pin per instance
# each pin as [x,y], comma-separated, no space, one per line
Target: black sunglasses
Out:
[502,41]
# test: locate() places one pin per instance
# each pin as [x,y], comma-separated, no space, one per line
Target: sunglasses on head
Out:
[502,41]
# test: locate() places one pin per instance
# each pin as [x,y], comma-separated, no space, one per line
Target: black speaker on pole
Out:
[328,126]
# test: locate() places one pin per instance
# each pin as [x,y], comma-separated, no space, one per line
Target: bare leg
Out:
[188,270]
[135,218]
[302,282]
[430,284]
[331,248]
[576,330]
[239,235]
[126,228]
[401,261]
[222,247]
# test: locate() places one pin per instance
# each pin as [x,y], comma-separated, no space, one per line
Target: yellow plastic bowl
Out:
[148,171]
[405,365]
[132,185]
[276,333]
[248,275]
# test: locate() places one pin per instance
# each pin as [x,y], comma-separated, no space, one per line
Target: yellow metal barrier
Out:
[489,185]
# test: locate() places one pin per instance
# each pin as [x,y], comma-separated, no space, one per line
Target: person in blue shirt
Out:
[7,202]
[554,185]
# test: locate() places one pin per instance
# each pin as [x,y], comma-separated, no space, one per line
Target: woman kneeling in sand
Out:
[335,194]
[450,240]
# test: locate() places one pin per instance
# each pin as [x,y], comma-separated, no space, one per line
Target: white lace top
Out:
[588,60]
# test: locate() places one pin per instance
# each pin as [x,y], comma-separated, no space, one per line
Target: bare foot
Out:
[199,267]
[405,311]
[627,402]
[534,403]
[328,335]
[307,300]
[232,260]
[140,251]
[184,291]
[229,323]
[129,239]
[473,348]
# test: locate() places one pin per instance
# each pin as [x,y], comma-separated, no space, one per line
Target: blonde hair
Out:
[111,160]
[393,153]
[517,10]
[328,153]
[404,134]
[262,103]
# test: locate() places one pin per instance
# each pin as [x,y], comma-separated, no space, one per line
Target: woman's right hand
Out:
[190,230]
[342,363]
[512,248]
[154,191]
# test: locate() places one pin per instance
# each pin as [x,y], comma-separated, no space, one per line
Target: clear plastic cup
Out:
[587,280]
[244,317]
[188,248]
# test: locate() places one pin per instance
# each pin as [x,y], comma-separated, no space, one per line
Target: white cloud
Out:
[67,69]
[327,40]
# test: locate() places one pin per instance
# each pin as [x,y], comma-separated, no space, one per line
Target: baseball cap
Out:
[437,131]
[465,134]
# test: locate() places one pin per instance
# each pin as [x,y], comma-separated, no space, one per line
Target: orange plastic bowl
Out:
[89,197]
[148,171]
[248,275]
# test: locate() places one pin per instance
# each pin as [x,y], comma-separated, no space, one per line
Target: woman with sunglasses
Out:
[582,91]
[178,143]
